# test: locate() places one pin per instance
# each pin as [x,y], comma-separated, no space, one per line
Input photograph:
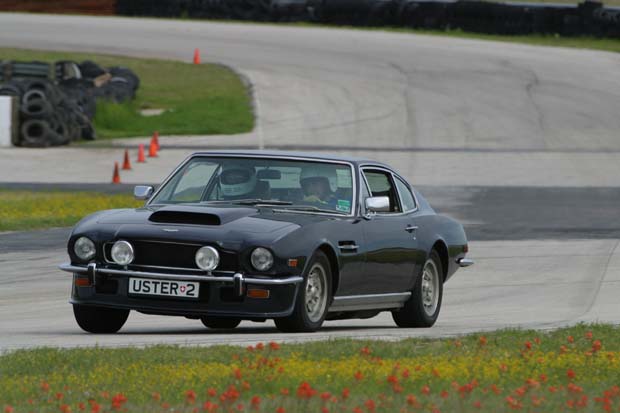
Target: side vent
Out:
[182,217]
[347,246]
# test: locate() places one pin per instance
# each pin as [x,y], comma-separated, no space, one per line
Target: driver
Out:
[316,183]
[237,181]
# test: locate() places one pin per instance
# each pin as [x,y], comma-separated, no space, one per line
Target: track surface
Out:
[520,142]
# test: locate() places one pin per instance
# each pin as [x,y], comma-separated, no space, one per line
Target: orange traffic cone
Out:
[116,178]
[141,158]
[152,149]
[196,56]
[155,140]
[126,163]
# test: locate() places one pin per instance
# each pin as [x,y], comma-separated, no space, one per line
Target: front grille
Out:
[172,255]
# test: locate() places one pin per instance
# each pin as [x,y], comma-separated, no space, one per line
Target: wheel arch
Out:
[442,249]
[328,250]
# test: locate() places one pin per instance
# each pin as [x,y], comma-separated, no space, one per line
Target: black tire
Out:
[99,320]
[35,133]
[220,322]
[301,320]
[37,109]
[414,313]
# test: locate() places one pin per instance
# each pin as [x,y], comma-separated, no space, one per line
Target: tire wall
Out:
[587,18]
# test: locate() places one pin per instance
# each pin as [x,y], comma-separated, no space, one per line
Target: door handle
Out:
[411,228]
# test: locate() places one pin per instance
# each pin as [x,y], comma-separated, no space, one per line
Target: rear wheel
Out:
[220,322]
[313,298]
[422,308]
[100,320]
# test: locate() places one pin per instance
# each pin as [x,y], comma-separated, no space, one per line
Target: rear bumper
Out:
[223,295]
[464,262]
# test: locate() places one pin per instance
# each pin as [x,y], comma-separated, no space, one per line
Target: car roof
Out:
[292,154]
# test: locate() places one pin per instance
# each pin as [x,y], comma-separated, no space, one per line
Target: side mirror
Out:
[143,192]
[378,204]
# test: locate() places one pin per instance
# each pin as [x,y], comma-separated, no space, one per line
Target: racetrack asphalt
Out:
[519,142]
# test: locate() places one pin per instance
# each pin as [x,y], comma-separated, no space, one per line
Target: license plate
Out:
[165,288]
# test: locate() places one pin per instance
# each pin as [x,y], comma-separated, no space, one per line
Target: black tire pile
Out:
[588,18]
[57,102]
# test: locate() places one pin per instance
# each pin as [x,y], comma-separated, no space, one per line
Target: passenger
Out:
[316,183]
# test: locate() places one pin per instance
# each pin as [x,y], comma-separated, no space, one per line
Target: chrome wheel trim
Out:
[315,297]
[430,288]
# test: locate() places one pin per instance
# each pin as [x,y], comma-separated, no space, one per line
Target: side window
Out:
[406,197]
[380,184]
[192,182]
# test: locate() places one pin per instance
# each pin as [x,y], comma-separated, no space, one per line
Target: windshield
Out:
[297,185]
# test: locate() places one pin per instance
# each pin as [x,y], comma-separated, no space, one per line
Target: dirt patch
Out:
[98,7]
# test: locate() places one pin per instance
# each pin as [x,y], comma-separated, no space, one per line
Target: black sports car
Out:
[254,235]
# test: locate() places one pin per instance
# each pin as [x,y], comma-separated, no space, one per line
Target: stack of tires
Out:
[58,101]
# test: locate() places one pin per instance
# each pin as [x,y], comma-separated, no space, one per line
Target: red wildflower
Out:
[59,396]
[495,389]
[397,388]
[209,406]
[237,374]
[412,400]
[156,396]
[482,341]
[589,335]
[45,386]
[95,407]
[65,408]
[81,406]
[571,339]
[370,405]
[240,407]
[358,375]
[280,410]
[357,409]
[528,345]
[570,374]
[305,391]
[543,378]
[365,351]
[426,390]
[118,400]
[392,379]
[563,349]
[255,402]
[345,393]
[212,392]
[190,396]
[324,409]
[9,409]
[250,348]
[231,394]
[477,404]
[537,340]
[260,346]
[444,394]
[326,395]
[405,374]
[284,392]
[274,346]
[596,346]
[513,403]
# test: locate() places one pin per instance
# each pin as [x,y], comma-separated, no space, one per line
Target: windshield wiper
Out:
[254,201]
[313,209]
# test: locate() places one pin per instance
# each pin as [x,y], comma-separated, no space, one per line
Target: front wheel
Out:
[99,320]
[220,322]
[422,308]
[313,298]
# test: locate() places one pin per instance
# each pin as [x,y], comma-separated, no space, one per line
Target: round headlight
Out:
[207,258]
[122,253]
[84,248]
[262,259]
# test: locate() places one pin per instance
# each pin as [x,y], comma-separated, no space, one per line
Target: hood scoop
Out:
[184,217]
[199,215]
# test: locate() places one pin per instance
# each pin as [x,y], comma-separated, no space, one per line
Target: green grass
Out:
[199,99]
[26,210]
[501,371]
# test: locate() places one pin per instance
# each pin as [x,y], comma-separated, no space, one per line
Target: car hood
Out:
[198,223]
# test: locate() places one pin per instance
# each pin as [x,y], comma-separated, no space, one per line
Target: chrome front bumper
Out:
[237,279]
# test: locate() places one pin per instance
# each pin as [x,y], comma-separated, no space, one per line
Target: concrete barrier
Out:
[8,121]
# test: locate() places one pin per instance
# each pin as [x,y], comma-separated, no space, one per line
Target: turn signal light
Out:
[257,293]
[82,282]
[292,262]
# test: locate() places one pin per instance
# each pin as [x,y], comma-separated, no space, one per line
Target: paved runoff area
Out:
[519,142]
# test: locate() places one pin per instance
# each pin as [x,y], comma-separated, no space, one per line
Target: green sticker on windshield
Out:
[343,205]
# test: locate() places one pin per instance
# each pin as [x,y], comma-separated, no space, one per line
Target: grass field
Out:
[24,210]
[571,369]
[198,99]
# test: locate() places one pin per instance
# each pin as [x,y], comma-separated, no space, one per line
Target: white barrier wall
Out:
[6,120]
